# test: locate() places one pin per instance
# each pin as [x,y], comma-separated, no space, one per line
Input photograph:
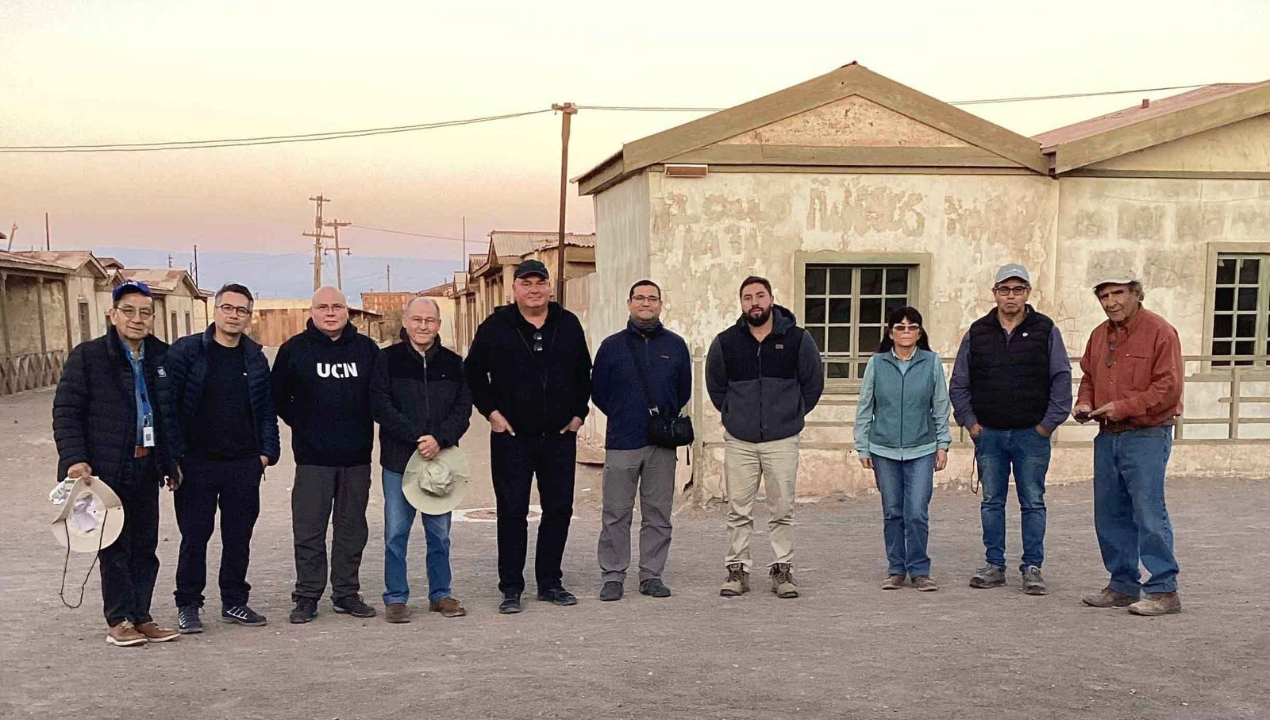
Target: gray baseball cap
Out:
[1115,276]
[1013,270]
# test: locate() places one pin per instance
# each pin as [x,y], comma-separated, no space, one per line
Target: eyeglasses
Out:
[537,342]
[641,299]
[131,312]
[1007,290]
[906,328]
[234,310]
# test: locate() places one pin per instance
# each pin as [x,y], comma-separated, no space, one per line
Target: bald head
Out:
[428,304]
[329,311]
[422,321]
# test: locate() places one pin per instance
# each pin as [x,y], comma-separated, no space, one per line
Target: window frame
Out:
[1228,250]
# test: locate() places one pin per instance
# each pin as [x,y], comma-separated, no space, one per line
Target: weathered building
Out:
[180,308]
[855,194]
[35,321]
[273,322]
[91,283]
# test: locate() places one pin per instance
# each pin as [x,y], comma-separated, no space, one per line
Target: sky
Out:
[162,70]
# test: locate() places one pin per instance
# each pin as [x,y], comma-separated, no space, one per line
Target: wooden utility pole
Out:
[464,263]
[318,236]
[13,231]
[388,269]
[568,110]
[196,264]
[48,237]
[339,271]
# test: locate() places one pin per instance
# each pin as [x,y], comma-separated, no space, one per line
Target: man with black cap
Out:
[112,419]
[1011,387]
[529,370]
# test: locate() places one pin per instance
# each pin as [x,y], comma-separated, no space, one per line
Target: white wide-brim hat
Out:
[436,486]
[90,519]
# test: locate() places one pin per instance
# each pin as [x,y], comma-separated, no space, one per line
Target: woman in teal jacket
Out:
[901,433]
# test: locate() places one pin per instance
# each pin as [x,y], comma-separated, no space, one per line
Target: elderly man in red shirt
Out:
[1132,386]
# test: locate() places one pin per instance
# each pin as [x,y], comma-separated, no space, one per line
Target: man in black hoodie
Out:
[530,373]
[321,388]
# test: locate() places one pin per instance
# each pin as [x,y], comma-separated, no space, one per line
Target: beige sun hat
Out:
[436,486]
[90,519]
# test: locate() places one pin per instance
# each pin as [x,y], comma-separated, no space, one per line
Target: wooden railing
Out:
[30,371]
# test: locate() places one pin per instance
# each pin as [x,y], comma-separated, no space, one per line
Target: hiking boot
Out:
[924,583]
[893,582]
[653,587]
[988,576]
[782,575]
[510,604]
[241,615]
[448,607]
[187,620]
[353,605]
[156,634]
[124,635]
[1108,598]
[1157,604]
[397,613]
[738,581]
[305,610]
[557,596]
[611,592]
[1033,583]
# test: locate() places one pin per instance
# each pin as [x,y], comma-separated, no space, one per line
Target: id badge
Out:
[147,437]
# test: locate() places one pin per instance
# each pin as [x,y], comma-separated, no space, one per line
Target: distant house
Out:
[91,282]
[36,309]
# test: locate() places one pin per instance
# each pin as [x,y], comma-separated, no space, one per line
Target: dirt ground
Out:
[845,649]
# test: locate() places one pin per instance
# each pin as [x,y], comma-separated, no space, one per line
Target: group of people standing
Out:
[201,418]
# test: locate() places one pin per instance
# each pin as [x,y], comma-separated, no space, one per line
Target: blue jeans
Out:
[1028,455]
[1129,512]
[906,487]
[399,516]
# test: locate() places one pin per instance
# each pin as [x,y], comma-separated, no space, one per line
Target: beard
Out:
[760,319]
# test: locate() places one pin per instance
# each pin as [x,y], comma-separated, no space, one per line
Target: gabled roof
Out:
[19,261]
[992,145]
[71,259]
[110,263]
[1160,121]
[519,243]
[163,281]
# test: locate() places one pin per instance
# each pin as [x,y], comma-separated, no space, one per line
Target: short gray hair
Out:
[435,305]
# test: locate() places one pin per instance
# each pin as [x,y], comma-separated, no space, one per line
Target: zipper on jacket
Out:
[427,394]
[761,435]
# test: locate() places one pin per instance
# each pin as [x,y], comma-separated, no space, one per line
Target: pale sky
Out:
[73,72]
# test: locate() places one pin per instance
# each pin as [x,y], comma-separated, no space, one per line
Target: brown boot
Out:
[925,583]
[1109,598]
[124,635]
[448,607]
[156,634]
[893,582]
[397,613]
[1157,604]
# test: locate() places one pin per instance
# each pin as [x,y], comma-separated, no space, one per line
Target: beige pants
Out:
[776,463]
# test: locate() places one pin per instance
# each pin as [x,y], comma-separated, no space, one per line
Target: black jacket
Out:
[187,366]
[413,395]
[321,388]
[95,408]
[538,393]
[1010,374]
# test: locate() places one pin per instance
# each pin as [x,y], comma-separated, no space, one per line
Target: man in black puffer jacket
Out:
[321,386]
[113,419]
[420,399]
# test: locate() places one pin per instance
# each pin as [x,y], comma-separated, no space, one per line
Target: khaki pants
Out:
[776,463]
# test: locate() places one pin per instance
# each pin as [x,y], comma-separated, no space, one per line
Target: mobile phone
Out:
[1082,416]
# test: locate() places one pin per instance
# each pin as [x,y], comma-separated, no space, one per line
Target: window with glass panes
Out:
[845,309]
[1240,308]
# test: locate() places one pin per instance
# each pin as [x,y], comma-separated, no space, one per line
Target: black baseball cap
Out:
[532,267]
[130,287]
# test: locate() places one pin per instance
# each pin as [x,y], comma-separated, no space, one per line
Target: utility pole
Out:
[318,236]
[389,270]
[463,264]
[13,231]
[196,264]
[48,238]
[169,261]
[339,272]
[569,110]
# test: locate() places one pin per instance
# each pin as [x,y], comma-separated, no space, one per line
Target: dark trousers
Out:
[514,460]
[129,565]
[318,491]
[234,487]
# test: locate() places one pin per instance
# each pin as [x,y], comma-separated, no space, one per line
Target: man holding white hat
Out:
[113,421]
[1132,385]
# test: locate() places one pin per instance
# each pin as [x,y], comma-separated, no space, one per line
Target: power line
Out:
[403,232]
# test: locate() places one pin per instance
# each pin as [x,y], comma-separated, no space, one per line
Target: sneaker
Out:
[1033,583]
[611,591]
[448,607]
[782,575]
[510,604]
[988,576]
[187,620]
[156,634]
[124,635]
[353,605]
[397,613]
[654,587]
[305,610]
[557,596]
[1157,604]
[738,581]
[1109,598]
[924,583]
[893,582]
[241,615]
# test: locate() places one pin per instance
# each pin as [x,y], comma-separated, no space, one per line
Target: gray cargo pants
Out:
[651,471]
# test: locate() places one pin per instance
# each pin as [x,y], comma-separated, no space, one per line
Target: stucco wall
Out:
[1238,147]
[621,251]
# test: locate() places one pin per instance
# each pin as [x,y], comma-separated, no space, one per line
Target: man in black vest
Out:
[1011,387]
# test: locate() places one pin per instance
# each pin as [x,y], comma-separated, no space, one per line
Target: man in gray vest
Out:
[1011,387]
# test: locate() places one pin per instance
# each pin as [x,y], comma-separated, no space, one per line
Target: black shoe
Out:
[353,606]
[305,610]
[611,591]
[557,596]
[241,615]
[510,604]
[653,587]
[187,620]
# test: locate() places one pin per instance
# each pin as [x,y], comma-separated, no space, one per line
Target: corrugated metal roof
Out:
[17,260]
[70,259]
[516,243]
[162,280]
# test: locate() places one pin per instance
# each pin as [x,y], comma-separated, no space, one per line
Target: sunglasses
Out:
[906,328]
